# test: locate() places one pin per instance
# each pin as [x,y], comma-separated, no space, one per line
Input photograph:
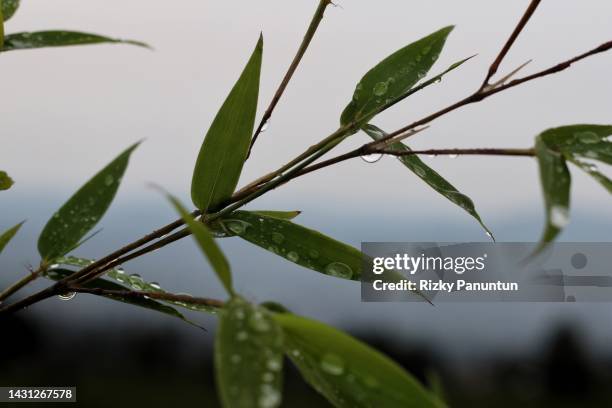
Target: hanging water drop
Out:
[155,286]
[265,126]
[66,296]
[372,158]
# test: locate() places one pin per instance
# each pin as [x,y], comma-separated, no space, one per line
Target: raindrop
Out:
[274,364]
[242,336]
[380,88]
[269,397]
[155,286]
[419,171]
[278,237]
[259,323]
[453,156]
[587,137]
[313,253]
[332,364]
[109,180]
[237,227]
[268,377]
[339,270]
[265,126]
[67,296]
[293,256]
[372,158]
[559,216]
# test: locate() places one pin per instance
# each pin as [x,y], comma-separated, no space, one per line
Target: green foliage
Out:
[226,144]
[429,176]
[298,244]
[7,235]
[388,81]
[207,244]
[8,9]
[346,371]
[5,181]
[574,143]
[58,274]
[248,356]
[83,210]
[59,38]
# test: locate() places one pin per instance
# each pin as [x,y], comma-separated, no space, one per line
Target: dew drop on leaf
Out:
[339,270]
[332,364]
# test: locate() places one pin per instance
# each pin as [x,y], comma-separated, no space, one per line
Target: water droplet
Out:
[293,256]
[559,216]
[587,137]
[136,281]
[590,167]
[313,253]
[453,156]
[332,364]
[265,126]
[239,314]
[155,286]
[67,296]
[372,158]
[109,180]
[268,377]
[296,353]
[238,227]
[269,397]
[274,364]
[339,270]
[278,237]
[53,266]
[380,88]
[419,171]
[242,336]
[259,322]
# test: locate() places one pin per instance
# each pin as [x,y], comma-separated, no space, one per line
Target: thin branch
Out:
[460,152]
[149,295]
[510,42]
[312,29]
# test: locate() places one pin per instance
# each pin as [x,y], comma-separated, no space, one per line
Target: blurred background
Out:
[67,112]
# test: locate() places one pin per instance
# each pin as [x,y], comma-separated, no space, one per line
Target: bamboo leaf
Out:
[83,210]
[346,371]
[298,244]
[5,181]
[248,356]
[220,230]
[556,182]
[225,146]
[136,282]
[8,9]
[430,176]
[581,141]
[207,244]
[60,38]
[7,235]
[393,77]
[58,274]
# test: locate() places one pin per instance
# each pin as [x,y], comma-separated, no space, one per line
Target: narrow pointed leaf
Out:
[248,356]
[207,244]
[225,146]
[582,141]
[8,9]
[83,210]
[430,176]
[43,39]
[136,282]
[5,181]
[347,372]
[556,182]
[7,235]
[57,274]
[298,244]
[393,77]
[219,229]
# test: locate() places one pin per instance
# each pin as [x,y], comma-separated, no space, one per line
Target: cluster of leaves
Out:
[253,339]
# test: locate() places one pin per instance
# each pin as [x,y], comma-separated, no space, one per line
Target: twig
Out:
[312,29]
[460,152]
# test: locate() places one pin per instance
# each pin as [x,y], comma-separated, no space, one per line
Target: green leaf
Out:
[8,9]
[556,182]
[348,372]
[83,210]
[58,274]
[296,243]
[393,77]
[581,141]
[136,282]
[429,176]
[207,244]
[226,144]
[5,181]
[248,356]
[592,170]
[7,235]
[42,39]
[220,230]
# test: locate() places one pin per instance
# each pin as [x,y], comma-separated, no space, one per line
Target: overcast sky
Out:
[67,112]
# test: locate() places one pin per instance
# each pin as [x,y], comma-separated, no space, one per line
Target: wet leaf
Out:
[393,77]
[219,229]
[5,181]
[8,9]
[283,215]
[556,181]
[136,282]
[207,244]
[83,210]
[430,176]
[43,39]
[296,243]
[7,235]
[248,356]
[593,171]
[225,146]
[348,372]
[57,274]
